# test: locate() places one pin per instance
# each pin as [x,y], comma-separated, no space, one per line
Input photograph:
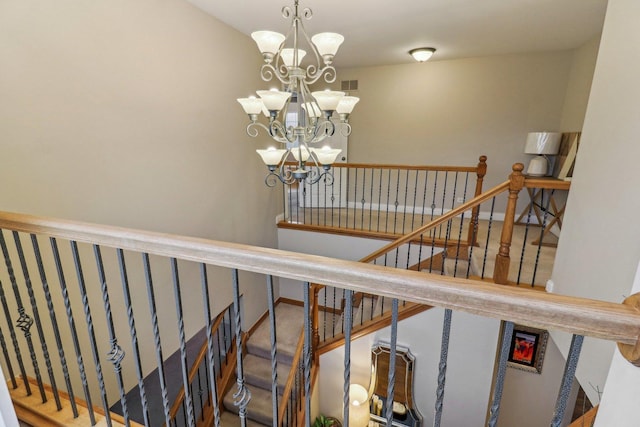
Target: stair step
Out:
[228,419]
[289,319]
[259,408]
[257,371]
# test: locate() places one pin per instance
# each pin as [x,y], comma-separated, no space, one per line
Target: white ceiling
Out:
[382,32]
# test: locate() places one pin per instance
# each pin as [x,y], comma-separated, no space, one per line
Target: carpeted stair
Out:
[257,365]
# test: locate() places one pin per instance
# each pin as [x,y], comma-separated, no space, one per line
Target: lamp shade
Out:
[268,41]
[328,99]
[422,54]
[287,56]
[358,406]
[274,100]
[326,155]
[251,105]
[327,43]
[271,156]
[543,143]
[300,153]
[312,109]
[346,104]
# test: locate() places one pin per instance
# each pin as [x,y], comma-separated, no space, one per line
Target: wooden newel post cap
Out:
[518,167]
[629,351]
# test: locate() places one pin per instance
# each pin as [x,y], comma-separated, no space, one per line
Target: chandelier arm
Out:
[328,71]
[252,131]
[276,128]
[268,72]
[345,129]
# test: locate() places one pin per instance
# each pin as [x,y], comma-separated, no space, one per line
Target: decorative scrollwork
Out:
[242,396]
[307,13]
[24,323]
[287,12]
[115,356]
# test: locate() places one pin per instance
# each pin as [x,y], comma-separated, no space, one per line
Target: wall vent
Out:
[349,85]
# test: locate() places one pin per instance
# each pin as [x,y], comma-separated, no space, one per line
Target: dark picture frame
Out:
[527,348]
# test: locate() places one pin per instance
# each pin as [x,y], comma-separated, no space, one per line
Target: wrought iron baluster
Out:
[415,200]
[444,195]
[379,199]
[392,361]
[442,367]
[134,335]
[500,374]
[54,324]
[14,341]
[371,199]
[7,360]
[455,267]
[72,326]
[36,319]
[188,401]
[524,242]
[396,203]
[355,199]
[204,279]
[386,220]
[156,335]
[486,244]
[90,329]
[242,395]
[307,354]
[567,379]
[274,351]
[406,195]
[424,197]
[348,314]
[24,321]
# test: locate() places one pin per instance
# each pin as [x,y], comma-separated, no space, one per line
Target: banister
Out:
[599,319]
[476,201]
[290,379]
[196,364]
[400,167]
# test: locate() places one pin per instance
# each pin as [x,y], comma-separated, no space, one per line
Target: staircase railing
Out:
[175,262]
[378,200]
[206,375]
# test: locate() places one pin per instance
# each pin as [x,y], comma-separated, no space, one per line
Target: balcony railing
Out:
[127,282]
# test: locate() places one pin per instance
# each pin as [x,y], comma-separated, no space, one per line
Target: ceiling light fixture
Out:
[422,54]
[311,122]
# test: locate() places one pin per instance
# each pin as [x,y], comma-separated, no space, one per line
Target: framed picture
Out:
[527,349]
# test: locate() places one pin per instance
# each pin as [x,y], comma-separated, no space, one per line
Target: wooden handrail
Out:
[196,364]
[599,319]
[290,379]
[399,167]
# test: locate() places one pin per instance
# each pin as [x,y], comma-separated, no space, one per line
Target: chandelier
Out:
[297,118]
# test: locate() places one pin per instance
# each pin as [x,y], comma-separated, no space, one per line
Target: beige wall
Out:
[451,112]
[598,250]
[124,112]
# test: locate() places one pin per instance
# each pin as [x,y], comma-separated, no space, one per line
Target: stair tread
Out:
[259,408]
[289,319]
[257,371]
[229,419]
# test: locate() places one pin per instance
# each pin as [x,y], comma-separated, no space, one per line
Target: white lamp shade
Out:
[327,43]
[346,104]
[251,105]
[274,100]
[328,100]
[271,156]
[326,155]
[287,56]
[422,54]
[358,406]
[301,151]
[543,143]
[312,109]
[268,41]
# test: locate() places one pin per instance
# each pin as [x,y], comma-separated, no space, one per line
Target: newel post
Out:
[516,183]
[628,351]
[315,306]
[472,236]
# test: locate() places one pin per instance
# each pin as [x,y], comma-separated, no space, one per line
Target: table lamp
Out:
[543,144]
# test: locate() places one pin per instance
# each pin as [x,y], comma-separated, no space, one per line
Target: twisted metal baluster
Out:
[72,327]
[500,374]
[36,318]
[134,335]
[392,361]
[567,379]
[307,354]
[116,354]
[91,331]
[156,335]
[274,351]
[242,395]
[24,321]
[3,344]
[210,358]
[442,367]
[183,343]
[54,323]
[348,324]
[14,340]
